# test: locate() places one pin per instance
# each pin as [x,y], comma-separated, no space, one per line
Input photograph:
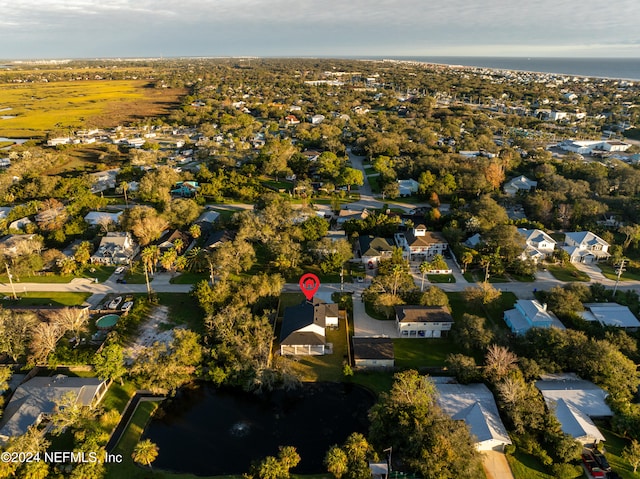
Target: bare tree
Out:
[72,319]
[44,340]
[498,362]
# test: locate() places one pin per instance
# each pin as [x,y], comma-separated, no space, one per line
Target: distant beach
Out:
[614,68]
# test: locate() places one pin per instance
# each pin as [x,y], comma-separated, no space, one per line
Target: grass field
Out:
[41,107]
[422,353]
[567,272]
[44,298]
[611,273]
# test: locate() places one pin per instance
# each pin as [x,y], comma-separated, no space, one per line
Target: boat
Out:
[115,303]
[127,306]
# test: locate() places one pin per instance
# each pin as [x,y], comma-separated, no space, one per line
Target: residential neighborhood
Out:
[474,234]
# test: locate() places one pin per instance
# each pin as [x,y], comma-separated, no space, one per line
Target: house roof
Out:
[610,314]
[373,246]
[216,238]
[39,395]
[300,316]
[94,217]
[474,404]
[585,238]
[423,314]
[535,312]
[208,217]
[521,183]
[373,348]
[584,395]
[575,401]
[429,238]
[535,236]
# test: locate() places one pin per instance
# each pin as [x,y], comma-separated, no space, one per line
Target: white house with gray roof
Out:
[611,314]
[539,244]
[585,247]
[35,401]
[519,184]
[575,402]
[474,404]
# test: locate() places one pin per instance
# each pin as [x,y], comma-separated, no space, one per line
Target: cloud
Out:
[312,27]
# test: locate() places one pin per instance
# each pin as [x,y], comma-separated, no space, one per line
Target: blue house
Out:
[530,314]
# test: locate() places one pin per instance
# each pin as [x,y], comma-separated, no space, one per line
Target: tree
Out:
[499,361]
[485,293]
[181,212]
[350,177]
[72,319]
[83,253]
[44,340]
[631,454]
[408,419]
[145,452]
[277,467]
[471,334]
[385,304]
[424,267]
[463,368]
[195,231]
[69,412]
[109,362]
[466,258]
[336,461]
[155,185]
[145,223]
[16,329]
[434,296]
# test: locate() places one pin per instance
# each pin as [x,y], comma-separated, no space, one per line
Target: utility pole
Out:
[621,269]
[342,279]
[13,289]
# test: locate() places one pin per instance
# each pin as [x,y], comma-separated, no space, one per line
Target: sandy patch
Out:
[150,333]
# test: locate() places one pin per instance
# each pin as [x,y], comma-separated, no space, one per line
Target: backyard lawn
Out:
[423,353]
[525,466]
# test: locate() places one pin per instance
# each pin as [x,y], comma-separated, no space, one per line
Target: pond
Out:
[209,431]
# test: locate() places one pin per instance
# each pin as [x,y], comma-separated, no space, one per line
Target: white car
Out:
[119,269]
[115,303]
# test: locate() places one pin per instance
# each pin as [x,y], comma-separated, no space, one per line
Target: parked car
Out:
[119,270]
[121,280]
[601,460]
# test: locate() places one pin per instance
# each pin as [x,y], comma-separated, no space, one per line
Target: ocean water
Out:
[619,68]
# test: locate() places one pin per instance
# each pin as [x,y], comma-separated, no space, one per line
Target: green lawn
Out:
[183,309]
[44,298]
[416,353]
[118,396]
[101,272]
[568,272]
[493,312]
[610,272]
[613,447]
[289,299]
[525,466]
[189,278]
[441,278]
[371,311]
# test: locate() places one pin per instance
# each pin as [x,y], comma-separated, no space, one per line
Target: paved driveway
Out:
[496,465]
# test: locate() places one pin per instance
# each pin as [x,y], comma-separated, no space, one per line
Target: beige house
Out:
[423,321]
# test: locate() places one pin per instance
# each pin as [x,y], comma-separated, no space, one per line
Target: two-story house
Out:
[421,243]
[530,314]
[539,244]
[585,247]
[372,249]
[303,328]
[115,248]
[423,321]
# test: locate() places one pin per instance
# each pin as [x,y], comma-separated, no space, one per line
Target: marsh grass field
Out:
[33,109]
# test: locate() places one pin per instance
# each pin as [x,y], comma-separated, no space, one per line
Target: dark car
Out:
[121,280]
[613,475]
[601,460]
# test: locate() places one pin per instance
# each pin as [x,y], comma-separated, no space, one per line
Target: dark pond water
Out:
[208,431]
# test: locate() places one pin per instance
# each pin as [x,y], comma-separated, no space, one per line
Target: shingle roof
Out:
[373,348]
[423,314]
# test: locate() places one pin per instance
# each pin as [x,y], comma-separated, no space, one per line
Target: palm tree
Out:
[145,452]
[125,186]
[466,258]
[425,266]
[178,244]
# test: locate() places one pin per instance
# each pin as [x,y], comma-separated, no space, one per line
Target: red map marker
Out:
[309,284]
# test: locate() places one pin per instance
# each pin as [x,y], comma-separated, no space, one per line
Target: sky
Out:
[35,29]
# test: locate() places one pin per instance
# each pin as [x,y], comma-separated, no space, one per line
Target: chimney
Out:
[544,306]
